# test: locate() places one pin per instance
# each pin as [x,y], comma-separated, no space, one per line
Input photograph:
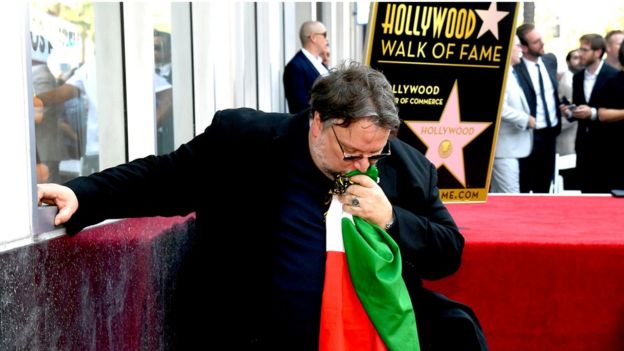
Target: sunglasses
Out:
[371,158]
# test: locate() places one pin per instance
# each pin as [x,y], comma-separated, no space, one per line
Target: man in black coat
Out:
[611,113]
[259,184]
[306,66]
[537,76]
[592,136]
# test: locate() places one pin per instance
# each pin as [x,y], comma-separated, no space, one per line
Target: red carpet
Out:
[543,272]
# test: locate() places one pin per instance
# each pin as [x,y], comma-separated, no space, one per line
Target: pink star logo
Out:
[490,19]
[446,139]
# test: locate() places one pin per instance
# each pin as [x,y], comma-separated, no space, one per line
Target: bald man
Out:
[307,65]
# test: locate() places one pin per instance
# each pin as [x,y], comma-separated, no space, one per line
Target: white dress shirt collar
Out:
[316,61]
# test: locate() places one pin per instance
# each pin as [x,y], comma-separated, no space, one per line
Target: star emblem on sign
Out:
[446,138]
[490,18]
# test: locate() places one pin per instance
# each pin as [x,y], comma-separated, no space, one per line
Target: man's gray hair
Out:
[353,91]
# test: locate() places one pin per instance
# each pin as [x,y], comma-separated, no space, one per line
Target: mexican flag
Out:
[365,305]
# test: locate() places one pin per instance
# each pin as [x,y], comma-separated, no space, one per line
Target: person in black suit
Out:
[259,184]
[537,76]
[592,136]
[611,112]
[307,65]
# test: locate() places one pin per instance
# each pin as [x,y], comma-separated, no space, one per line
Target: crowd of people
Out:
[545,113]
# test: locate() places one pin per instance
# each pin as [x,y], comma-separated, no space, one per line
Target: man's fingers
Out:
[363,180]
[363,184]
[39,193]
[58,220]
[45,195]
[64,215]
[61,196]
[47,200]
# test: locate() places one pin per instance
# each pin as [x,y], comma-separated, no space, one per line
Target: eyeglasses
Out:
[324,34]
[371,158]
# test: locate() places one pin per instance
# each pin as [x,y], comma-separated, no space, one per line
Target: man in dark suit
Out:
[259,184]
[611,112]
[303,69]
[592,136]
[537,76]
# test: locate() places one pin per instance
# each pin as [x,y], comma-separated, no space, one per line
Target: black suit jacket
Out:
[228,175]
[592,137]
[589,129]
[524,79]
[299,75]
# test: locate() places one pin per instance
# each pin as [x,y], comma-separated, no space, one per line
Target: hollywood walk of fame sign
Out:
[447,63]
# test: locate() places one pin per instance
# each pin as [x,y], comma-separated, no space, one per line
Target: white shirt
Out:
[316,61]
[549,93]
[590,81]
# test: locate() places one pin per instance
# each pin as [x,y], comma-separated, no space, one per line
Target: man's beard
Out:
[320,159]
[589,62]
[535,53]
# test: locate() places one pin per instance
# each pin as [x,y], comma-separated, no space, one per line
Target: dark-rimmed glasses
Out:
[324,34]
[374,158]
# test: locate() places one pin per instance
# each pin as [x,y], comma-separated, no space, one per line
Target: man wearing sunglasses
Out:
[307,65]
[259,184]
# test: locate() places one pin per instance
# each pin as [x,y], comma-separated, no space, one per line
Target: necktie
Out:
[541,84]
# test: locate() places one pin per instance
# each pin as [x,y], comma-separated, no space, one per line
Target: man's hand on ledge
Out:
[60,196]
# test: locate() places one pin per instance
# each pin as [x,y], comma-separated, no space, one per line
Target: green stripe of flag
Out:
[374,263]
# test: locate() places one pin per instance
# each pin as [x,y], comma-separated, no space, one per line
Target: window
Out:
[68,81]
[64,79]
[163,77]
[78,109]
